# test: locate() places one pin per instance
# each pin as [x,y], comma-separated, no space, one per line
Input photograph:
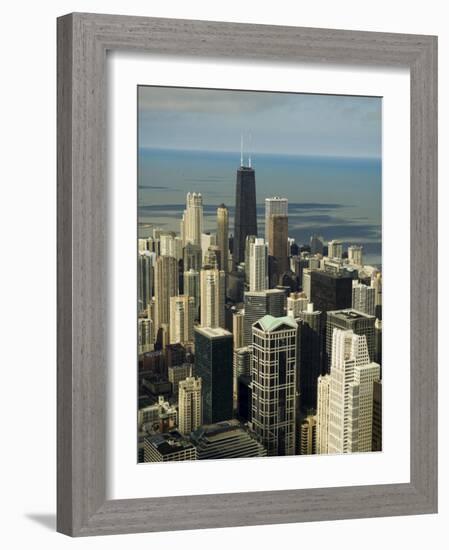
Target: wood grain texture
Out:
[83,40]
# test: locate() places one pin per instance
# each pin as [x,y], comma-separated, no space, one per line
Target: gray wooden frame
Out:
[83,40]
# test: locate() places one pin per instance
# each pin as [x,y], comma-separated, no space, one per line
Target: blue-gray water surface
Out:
[334,197]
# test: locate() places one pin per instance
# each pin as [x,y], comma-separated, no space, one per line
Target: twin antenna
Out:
[241,151]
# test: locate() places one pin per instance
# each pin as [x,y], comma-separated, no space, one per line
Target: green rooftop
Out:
[270,323]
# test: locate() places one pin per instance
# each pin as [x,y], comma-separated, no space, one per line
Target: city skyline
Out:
[254,340]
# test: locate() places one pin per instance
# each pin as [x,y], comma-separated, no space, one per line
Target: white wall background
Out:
[27,269]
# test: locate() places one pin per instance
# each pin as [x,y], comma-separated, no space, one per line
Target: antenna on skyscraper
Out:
[241,149]
[249,154]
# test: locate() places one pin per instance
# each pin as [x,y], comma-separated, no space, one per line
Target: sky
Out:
[278,123]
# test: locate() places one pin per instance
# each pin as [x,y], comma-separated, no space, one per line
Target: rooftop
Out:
[270,323]
[216,332]
[169,443]
[350,314]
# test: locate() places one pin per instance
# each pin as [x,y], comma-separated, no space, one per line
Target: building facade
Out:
[190,415]
[245,222]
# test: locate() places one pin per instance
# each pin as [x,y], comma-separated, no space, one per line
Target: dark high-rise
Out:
[330,291]
[245,222]
[213,363]
[258,304]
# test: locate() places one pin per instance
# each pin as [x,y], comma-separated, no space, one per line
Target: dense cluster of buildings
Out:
[255,345]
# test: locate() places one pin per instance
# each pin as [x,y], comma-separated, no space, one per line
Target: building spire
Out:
[249,152]
[241,149]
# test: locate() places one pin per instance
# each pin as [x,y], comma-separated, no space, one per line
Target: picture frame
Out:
[83,41]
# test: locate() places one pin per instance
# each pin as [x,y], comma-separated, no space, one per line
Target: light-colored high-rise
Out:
[238,328]
[274,205]
[190,415]
[307,434]
[146,335]
[363,298]
[165,286]
[182,314]
[355,254]
[207,240]
[296,302]
[322,427]
[335,249]
[349,413]
[193,218]
[223,236]
[273,373]
[212,288]
[258,266]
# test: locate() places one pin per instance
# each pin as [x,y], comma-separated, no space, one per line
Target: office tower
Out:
[363,298]
[310,351]
[316,245]
[244,398]
[245,222]
[212,291]
[376,283]
[274,206]
[182,228]
[176,354]
[227,439]
[238,318]
[322,418]
[212,257]
[250,239]
[258,266]
[236,285]
[377,416]
[168,447]
[176,373]
[350,319]
[182,314]
[213,363]
[193,218]
[145,272]
[192,258]
[330,291]
[289,280]
[223,236]
[307,435]
[192,288]
[335,249]
[207,240]
[278,247]
[350,406]
[241,366]
[296,302]
[142,245]
[145,335]
[165,286]
[190,416]
[257,305]
[168,244]
[355,255]
[298,263]
[378,341]
[273,372]
[307,282]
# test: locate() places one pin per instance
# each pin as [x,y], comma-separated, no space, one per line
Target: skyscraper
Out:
[145,279]
[322,418]
[330,291]
[274,206]
[350,319]
[278,248]
[274,384]
[355,255]
[212,289]
[350,407]
[363,298]
[192,288]
[165,286]
[258,266]
[296,302]
[207,240]
[193,218]
[213,363]
[190,416]
[257,305]
[192,257]
[310,349]
[223,236]
[182,314]
[245,222]
[307,434]
[335,249]
[316,244]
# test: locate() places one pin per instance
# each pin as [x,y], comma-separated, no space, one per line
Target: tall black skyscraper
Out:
[245,211]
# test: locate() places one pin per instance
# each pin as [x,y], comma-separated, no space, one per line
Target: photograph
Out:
[259,271]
